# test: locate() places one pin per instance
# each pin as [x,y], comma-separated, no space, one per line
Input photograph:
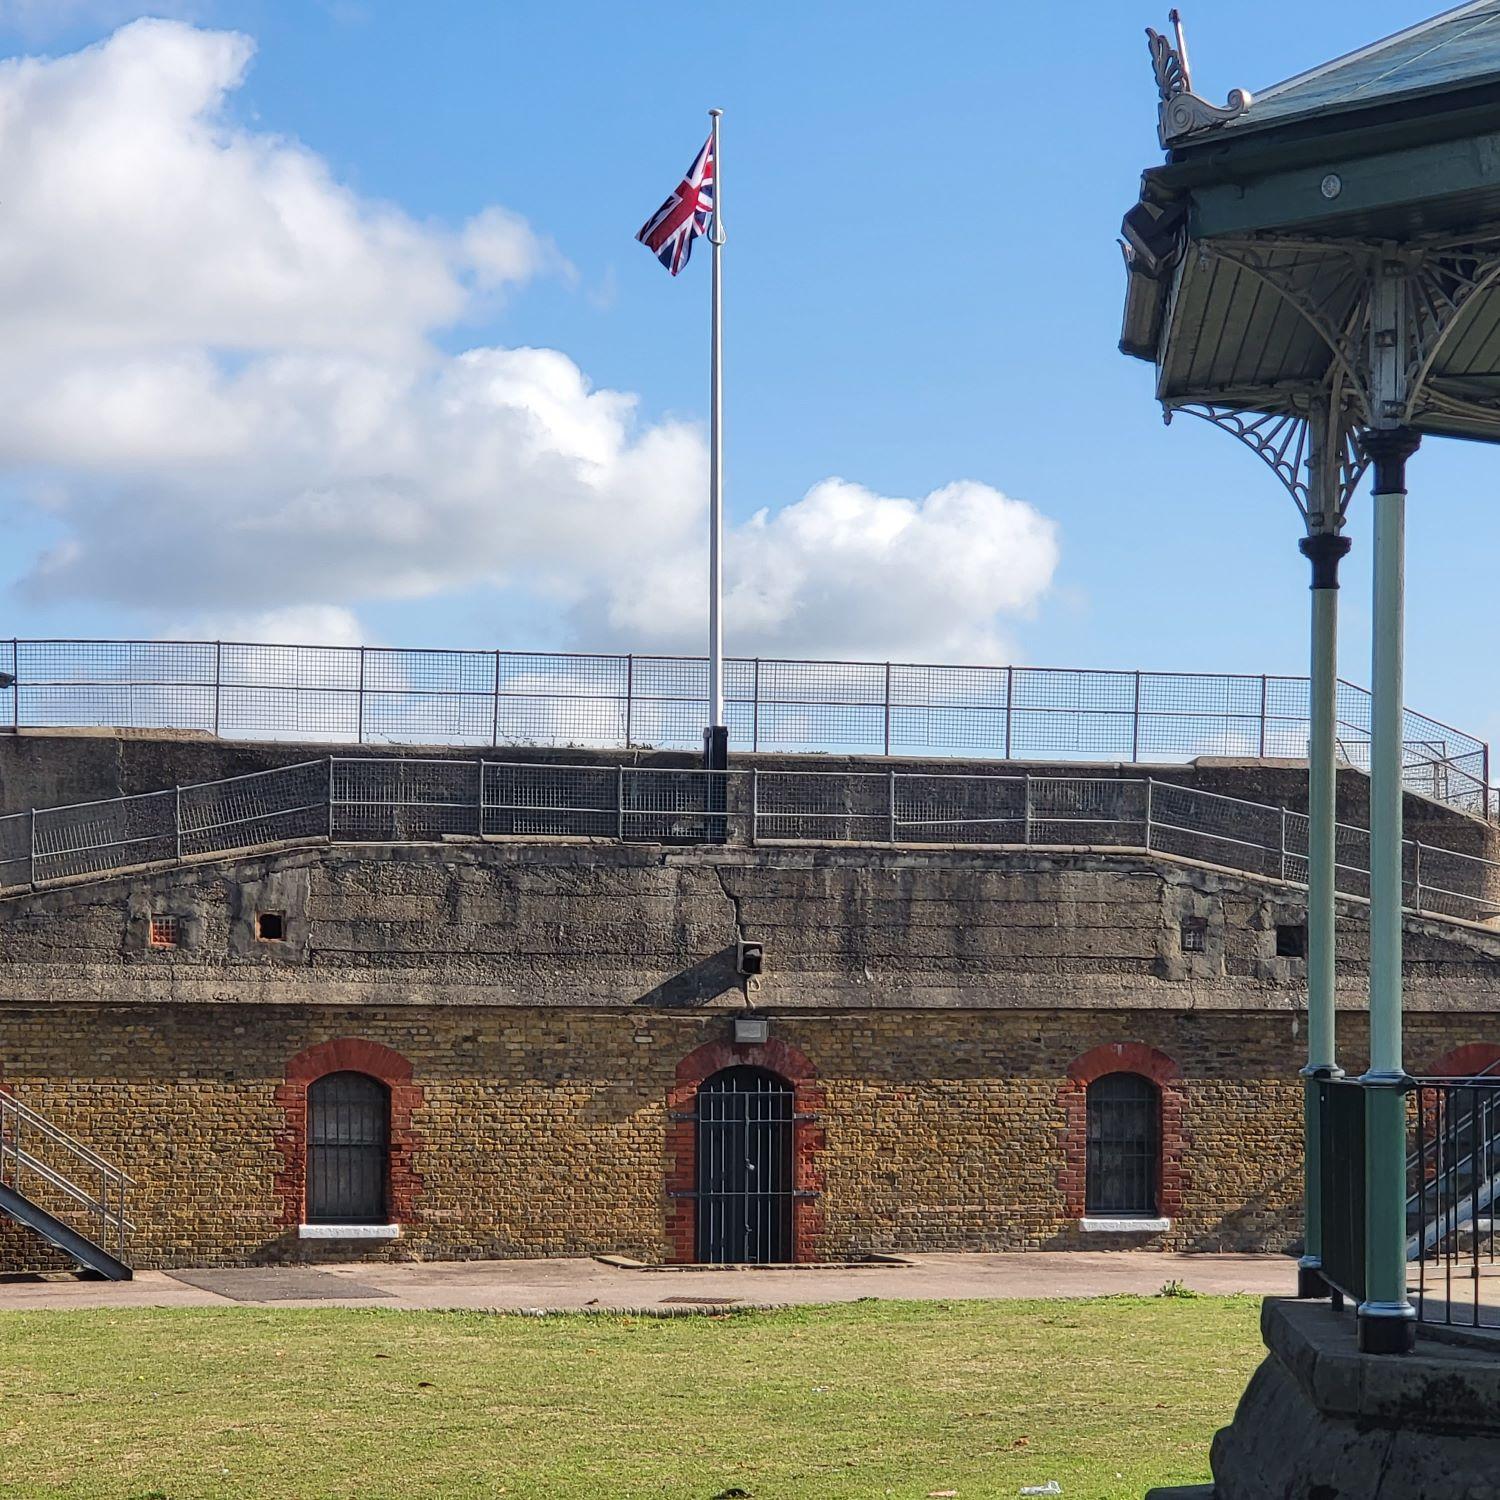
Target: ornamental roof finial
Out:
[1182,112]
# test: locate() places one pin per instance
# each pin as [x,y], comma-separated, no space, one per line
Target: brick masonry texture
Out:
[541,1011]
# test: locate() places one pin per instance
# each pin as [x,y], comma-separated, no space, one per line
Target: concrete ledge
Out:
[348,1231]
[1124,1226]
[1321,1419]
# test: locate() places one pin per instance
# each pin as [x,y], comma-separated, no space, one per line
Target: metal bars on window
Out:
[410,799]
[348,1124]
[368,694]
[1124,1145]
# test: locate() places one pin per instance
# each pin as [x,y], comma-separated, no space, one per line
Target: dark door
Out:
[347,1149]
[744,1167]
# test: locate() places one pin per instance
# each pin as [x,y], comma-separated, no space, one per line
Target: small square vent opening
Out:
[1291,940]
[1194,934]
[270,926]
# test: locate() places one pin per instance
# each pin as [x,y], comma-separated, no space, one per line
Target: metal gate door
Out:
[745,1167]
[347,1146]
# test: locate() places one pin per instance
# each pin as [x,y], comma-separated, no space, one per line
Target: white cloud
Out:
[847,572]
[219,362]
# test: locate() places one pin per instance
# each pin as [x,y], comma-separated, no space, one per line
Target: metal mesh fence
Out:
[353,694]
[411,799]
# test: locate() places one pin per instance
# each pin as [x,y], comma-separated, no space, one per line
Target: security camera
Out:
[749,958]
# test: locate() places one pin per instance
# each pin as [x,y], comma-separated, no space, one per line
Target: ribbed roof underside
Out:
[1232,338]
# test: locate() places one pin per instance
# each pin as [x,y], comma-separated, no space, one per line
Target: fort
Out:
[331,1000]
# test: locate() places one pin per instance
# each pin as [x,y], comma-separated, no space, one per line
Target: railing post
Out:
[1150,787]
[495,707]
[620,803]
[1026,810]
[888,714]
[754,805]
[1263,695]
[890,803]
[1135,723]
[479,799]
[177,819]
[33,846]
[360,729]
[218,680]
[755,708]
[1282,849]
[15,687]
[629,700]
[1010,706]
[1416,871]
[330,799]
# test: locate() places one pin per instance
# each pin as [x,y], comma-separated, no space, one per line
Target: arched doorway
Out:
[744,1153]
[348,1149]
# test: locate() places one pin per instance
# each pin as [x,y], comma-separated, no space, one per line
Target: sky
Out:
[324,320]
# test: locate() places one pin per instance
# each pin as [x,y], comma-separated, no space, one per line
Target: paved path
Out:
[529,1285]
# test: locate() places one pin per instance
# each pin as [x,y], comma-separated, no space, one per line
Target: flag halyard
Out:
[669,233]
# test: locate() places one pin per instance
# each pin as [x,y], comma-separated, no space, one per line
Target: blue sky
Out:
[922,287]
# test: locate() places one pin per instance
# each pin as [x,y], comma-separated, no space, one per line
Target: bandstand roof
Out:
[1250,249]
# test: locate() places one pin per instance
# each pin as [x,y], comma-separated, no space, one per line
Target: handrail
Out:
[106,1208]
[362,694]
[397,799]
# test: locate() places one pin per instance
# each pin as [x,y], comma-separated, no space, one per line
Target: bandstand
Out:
[1315,270]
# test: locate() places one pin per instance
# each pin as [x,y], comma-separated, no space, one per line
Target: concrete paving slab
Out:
[590,1285]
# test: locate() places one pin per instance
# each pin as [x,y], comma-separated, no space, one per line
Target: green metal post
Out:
[1386,1317]
[1323,549]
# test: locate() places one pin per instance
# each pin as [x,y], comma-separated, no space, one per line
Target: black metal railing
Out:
[1341,1113]
[1452,1174]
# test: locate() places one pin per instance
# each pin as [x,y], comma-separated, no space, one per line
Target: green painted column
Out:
[1386,1318]
[1323,549]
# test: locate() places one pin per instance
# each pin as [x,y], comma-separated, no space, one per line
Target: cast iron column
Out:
[1323,550]
[1386,1318]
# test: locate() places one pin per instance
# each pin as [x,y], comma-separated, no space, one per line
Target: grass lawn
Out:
[1107,1396]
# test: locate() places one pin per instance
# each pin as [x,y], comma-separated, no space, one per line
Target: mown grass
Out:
[1106,1396]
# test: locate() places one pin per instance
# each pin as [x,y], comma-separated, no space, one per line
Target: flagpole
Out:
[716,735]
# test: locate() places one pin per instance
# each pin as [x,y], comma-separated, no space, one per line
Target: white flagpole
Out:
[715,736]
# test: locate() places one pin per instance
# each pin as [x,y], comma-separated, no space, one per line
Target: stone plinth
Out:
[1321,1421]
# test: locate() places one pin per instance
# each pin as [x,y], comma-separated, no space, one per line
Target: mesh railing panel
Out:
[96,836]
[405,800]
[552,801]
[410,799]
[266,807]
[351,694]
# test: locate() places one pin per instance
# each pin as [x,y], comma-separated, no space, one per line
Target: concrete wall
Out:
[543,999]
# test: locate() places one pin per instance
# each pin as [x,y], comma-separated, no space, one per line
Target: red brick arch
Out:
[1072,1097]
[808,1140]
[1468,1061]
[347,1054]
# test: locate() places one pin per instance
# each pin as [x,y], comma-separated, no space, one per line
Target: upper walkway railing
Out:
[367,694]
[406,799]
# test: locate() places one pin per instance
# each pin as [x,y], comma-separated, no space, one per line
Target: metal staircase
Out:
[57,1187]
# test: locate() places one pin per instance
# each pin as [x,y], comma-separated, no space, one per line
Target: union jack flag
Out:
[669,233]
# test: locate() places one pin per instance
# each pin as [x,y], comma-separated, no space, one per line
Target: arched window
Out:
[745,1191]
[1124,1146]
[348,1149]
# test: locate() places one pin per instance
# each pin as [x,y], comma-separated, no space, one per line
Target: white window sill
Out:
[1124,1226]
[348,1231]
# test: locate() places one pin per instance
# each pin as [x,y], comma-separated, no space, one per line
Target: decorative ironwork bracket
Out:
[1283,441]
[1181,112]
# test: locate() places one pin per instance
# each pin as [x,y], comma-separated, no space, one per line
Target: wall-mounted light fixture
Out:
[749,958]
[752,1029]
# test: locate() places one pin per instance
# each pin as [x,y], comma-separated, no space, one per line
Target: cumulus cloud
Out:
[218,372]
